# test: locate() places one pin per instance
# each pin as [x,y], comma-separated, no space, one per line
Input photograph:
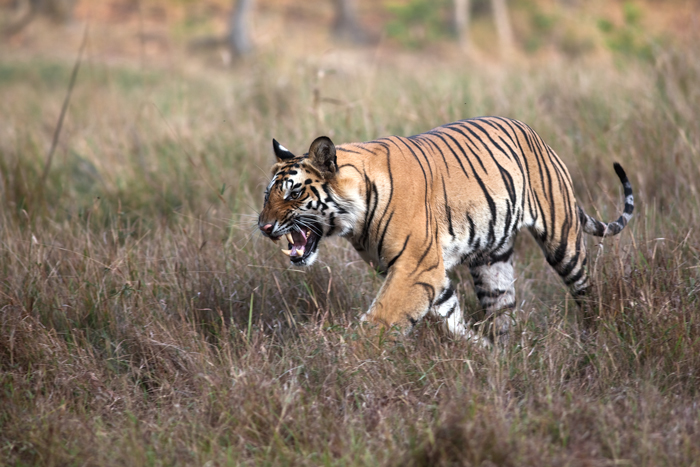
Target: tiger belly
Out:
[478,235]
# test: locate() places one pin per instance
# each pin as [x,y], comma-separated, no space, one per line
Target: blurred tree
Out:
[346,26]
[239,33]
[462,9]
[59,11]
[416,23]
[499,9]
[503,28]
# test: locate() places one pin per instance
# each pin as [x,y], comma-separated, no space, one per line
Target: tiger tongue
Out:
[297,242]
[299,238]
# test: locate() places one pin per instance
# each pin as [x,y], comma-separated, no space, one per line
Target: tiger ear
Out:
[322,156]
[282,153]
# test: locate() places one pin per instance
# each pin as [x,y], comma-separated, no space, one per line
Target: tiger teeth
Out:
[287,252]
[290,239]
[300,251]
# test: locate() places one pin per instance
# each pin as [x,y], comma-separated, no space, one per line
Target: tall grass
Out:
[144,322]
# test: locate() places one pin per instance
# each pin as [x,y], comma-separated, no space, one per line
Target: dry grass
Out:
[143,322]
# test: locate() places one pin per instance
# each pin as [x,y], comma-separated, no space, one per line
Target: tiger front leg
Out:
[404,300]
[446,307]
[406,297]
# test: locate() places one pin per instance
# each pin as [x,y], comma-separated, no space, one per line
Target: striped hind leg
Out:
[569,260]
[494,283]
[569,257]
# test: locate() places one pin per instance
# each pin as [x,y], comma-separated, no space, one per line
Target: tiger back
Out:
[415,207]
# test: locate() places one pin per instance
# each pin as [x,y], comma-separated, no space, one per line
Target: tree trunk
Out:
[59,11]
[346,26]
[462,16]
[505,33]
[239,33]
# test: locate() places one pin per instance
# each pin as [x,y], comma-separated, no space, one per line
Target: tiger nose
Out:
[267,228]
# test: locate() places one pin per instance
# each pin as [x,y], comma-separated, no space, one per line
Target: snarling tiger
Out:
[415,207]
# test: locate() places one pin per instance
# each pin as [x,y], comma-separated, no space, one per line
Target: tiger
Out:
[416,207]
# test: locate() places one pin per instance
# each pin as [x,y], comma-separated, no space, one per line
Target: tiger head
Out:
[301,201]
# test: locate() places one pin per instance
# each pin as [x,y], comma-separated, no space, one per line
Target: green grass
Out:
[144,322]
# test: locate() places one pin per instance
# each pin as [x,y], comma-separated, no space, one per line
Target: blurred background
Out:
[489,30]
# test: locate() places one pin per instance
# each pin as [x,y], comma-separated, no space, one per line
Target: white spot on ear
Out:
[283,148]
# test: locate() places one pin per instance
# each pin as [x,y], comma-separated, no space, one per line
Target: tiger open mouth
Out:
[302,243]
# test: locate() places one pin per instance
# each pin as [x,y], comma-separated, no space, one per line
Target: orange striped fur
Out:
[415,207]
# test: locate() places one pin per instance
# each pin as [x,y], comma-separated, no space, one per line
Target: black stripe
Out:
[531,138]
[558,255]
[568,267]
[381,238]
[448,210]
[387,203]
[576,277]
[420,148]
[451,312]
[481,293]
[429,289]
[381,143]
[444,296]
[331,224]
[425,253]
[526,171]
[489,199]
[506,225]
[329,198]
[427,138]
[505,175]
[503,257]
[472,229]
[455,127]
[315,192]
[371,188]
[438,135]
[352,166]
[425,178]
[391,263]
[338,148]
[565,189]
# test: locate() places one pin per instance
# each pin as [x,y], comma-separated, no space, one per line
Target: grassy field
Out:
[144,321]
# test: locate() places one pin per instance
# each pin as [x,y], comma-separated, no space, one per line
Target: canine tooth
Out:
[287,252]
[300,251]
[290,239]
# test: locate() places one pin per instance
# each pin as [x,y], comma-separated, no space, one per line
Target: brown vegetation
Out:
[143,321]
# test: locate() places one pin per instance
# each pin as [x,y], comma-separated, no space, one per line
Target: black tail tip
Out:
[620,172]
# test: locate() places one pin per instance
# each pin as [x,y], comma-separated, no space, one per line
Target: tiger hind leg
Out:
[569,259]
[494,283]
